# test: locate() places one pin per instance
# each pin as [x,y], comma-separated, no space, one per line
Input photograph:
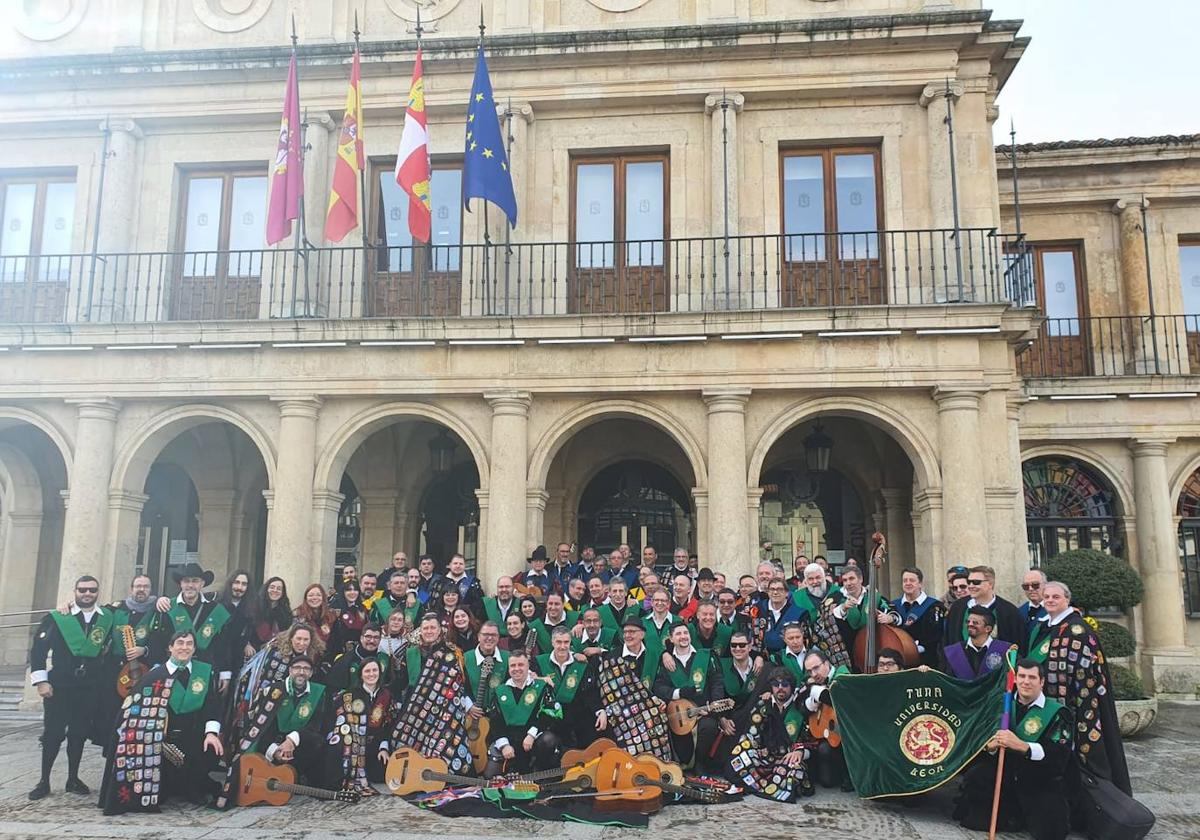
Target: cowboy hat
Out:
[192,570]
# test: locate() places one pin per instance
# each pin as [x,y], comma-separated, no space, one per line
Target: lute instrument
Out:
[261,782]
[683,715]
[134,669]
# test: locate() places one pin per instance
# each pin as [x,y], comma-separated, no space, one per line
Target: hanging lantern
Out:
[441,452]
[818,446]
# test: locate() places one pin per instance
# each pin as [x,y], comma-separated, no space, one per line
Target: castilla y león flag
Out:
[910,732]
[342,216]
[287,172]
[412,160]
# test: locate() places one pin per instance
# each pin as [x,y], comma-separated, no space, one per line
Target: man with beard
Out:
[680,565]
[830,765]
[815,590]
[521,714]
[344,673]
[769,758]
[66,664]
[980,654]
[234,599]
[497,609]
[1077,677]
[586,567]
[136,612]
[694,675]
[1038,743]
[921,615]
[470,591]
[136,778]
[981,585]
[207,618]
[369,590]
[574,684]
[396,598]
[592,638]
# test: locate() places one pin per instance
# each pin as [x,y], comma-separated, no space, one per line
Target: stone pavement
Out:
[1163,763]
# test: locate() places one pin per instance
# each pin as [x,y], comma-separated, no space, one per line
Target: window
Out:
[1059,287]
[831,191]
[221,229]
[1189,280]
[1188,511]
[37,222]
[620,199]
[391,220]
[1067,506]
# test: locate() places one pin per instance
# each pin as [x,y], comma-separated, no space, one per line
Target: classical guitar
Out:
[616,772]
[477,729]
[131,671]
[595,749]
[410,772]
[823,724]
[260,781]
[624,771]
[683,715]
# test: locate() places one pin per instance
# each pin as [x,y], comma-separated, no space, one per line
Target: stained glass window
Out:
[1189,541]
[1067,506]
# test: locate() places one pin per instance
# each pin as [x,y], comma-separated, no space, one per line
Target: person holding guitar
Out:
[769,758]
[830,766]
[693,675]
[521,714]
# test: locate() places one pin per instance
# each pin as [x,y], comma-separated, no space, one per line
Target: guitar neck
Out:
[667,787]
[541,775]
[485,674]
[305,790]
[452,779]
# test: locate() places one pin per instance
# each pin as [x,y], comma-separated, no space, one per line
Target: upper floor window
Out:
[1189,280]
[831,191]
[223,222]
[1058,281]
[619,199]
[391,219]
[38,218]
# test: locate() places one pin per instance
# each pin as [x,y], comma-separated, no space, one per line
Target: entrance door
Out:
[635,502]
[37,217]
[1062,347]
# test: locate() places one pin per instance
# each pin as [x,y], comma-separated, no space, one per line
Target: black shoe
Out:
[76,785]
[847,786]
[40,792]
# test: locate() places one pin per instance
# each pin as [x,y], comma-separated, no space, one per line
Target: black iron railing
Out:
[1118,345]
[803,270]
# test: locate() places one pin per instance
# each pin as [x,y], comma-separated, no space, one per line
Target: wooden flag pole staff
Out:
[1005,719]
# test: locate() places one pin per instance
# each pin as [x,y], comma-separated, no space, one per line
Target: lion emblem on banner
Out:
[926,740]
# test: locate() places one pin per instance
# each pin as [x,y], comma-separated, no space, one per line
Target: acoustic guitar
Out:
[683,715]
[261,782]
[410,772]
[624,772]
[477,730]
[823,724]
[595,749]
[615,782]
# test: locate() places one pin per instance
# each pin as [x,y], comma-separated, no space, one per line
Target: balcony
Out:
[760,272]
[1119,345]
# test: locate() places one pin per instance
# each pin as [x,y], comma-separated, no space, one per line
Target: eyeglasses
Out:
[1029,587]
[87,590]
[961,587]
[780,684]
[739,644]
[975,582]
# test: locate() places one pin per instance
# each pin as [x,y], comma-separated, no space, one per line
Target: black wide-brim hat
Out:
[192,570]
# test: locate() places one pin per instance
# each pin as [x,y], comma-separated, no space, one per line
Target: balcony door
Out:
[618,234]
[410,278]
[1189,279]
[1061,348]
[831,217]
[222,228]
[38,218]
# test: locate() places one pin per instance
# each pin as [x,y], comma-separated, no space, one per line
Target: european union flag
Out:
[485,165]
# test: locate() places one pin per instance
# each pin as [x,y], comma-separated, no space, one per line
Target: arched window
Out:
[1067,505]
[1188,511]
[639,503]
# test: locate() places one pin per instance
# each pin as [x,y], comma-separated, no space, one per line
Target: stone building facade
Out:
[755,294]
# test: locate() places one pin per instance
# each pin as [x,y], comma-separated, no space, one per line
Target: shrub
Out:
[1115,640]
[1126,684]
[1097,580]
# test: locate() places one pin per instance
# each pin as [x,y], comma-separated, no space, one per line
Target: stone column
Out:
[506,538]
[927,534]
[121,546]
[108,295]
[964,535]
[535,517]
[326,504]
[754,519]
[1158,548]
[1021,558]
[216,530]
[723,110]
[483,497]
[290,538]
[86,520]
[1145,355]
[317,172]
[941,202]
[896,525]
[18,571]
[701,548]
[728,518]
[378,523]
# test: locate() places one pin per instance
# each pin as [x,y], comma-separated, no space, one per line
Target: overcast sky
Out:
[1102,68]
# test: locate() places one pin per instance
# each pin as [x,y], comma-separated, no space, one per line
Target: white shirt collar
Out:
[562,666]
[659,624]
[740,672]
[1054,622]
[973,646]
[88,613]
[479,656]
[971,602]
[798,656]
[529,678]
[172,667]
[625,651]
[200,600]
[1039,701]
[920,600]
[685,658]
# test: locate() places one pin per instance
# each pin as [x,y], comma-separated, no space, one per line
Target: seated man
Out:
[769,758]
[188,737]
[694,675]
[980,654]
[521,713]
[574,684]
[830,767]
[1038,742]
[741,672]
[794,652]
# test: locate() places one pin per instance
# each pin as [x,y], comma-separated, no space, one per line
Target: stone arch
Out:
[347,439]
[1093,461]
[135,457]
[20,485]
[900,428]
[571,423]
[1181,476]
[46,426]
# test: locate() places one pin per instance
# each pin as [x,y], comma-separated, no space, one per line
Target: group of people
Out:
[178,689]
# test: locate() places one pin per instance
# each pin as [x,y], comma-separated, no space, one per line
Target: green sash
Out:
[186,699]
[731,679]
[1040,649]
[607,619]
[796,668]
[1036,720]
[208,630]
[412,657]
[838,671]
[293,716]
[518,709]
[696,674]
[857,618]
[720,643]
[566,684]
[607,637]
[654,636]
[383,608]
[802,599]
[499,674]
[492,607]
[795,722]
[84,646]
[141,630]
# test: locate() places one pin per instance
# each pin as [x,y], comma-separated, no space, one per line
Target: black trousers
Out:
[543,756]
[69,714]
[192,780]
[696,749]
[1041,809]
[829,767]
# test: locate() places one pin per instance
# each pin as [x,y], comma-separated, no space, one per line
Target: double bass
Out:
[875,636]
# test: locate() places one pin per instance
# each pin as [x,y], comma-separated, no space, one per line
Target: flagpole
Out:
[1009,689]
[362,170]
[508,141]
[297,234]
[954,187]
[487,234]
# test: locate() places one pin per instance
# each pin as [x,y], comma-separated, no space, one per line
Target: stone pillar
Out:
[121,547]
[895,527]
[941,202]
[317,173]
[326,504]
[535,517]
[1158,547]
[216,530]
[927,531]
[290,536]
[754,519]
[483,497]
[725,289]
[86,521]
[1135,283]
[728,518]
[965,538]
[378,522]
[506,538]
[701,548]
[18,572]
[108,295]
[1021,558]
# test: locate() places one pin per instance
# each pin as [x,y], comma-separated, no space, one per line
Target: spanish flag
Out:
[412,160]
[342,216]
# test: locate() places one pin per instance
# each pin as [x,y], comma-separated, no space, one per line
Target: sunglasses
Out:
[739,644]
[975,582]
[1029,587]
[87,590]
[962,587]
[780,684]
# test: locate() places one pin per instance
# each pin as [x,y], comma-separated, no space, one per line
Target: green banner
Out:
[910,732]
